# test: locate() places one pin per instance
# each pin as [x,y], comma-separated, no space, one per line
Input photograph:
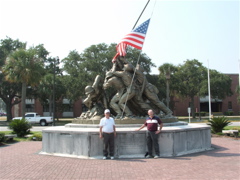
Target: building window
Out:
[189,104]
[229,105]
[67,108]
[46,108]
[29,107]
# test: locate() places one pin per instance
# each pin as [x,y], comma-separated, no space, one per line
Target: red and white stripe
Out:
[134,39]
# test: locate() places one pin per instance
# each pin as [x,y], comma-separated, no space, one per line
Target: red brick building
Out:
[33,105]
[217,106]
[180,105]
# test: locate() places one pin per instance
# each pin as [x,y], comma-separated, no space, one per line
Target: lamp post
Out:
[168,78]
[54,79]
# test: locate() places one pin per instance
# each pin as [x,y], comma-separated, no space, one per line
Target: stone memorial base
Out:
[82,140]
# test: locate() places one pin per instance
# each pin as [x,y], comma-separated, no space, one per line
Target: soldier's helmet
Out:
[88,90]
[128,67]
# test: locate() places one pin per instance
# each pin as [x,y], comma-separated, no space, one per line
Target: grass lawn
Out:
[232,128]
[205,119]
[3,118]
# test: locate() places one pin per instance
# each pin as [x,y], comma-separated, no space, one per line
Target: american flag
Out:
[135,38]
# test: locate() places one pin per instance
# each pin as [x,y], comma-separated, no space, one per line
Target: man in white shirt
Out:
[107,132]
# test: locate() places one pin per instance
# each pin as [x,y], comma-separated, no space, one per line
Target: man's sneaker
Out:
[112,157]
[149,156]
[156,156]
[104,157]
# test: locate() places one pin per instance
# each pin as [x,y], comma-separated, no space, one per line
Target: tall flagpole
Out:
[141,14]
[209,93]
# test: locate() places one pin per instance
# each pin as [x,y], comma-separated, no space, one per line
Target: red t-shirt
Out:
[152,123]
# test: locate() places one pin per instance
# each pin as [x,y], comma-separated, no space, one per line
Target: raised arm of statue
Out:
[97,85]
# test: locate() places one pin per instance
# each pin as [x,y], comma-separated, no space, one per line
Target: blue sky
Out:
[179,30]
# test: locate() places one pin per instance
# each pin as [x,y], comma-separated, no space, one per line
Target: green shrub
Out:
[201,113]
[218,123]
[36,137]
[21,127]
[219,133]
[2,139]
[228,113]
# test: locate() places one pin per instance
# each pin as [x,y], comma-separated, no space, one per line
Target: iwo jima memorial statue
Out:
[134,95]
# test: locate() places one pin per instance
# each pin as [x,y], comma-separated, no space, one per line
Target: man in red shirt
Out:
[152,133]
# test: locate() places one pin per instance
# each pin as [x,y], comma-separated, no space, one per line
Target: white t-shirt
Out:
[107,124]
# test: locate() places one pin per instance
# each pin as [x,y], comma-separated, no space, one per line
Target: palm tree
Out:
[167,69]
[26,67]
[45,91]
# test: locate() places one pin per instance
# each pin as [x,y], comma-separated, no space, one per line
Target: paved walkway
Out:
[22,161]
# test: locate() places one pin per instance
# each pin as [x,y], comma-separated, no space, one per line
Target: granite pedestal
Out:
[82,140]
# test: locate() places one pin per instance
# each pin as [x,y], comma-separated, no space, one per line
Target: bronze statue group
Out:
[133,97]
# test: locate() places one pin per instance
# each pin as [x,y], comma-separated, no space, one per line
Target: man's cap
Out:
[106,111]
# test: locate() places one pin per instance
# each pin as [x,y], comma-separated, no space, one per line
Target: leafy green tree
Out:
[238,92]
[190,76]
[45,91]
[144,60]
[191,80]
[9,91]
[25,67]
[220,85]
[76,78]
[9,45]
[45,88]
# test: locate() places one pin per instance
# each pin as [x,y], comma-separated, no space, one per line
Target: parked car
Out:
[3,114]
[36,118]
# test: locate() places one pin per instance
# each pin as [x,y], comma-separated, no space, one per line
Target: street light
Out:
[168,78]
[54,79]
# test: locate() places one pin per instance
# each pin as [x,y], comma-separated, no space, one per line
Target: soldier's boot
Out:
[168,113]
[118,116]
[164,108]
[128,113]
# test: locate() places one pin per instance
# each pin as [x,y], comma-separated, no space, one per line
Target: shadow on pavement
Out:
[8,143]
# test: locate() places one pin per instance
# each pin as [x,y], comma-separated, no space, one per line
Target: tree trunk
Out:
[167,96]
[9,111]
[50,105]
[23,103]
[9,104]
[192,107]
[199,104]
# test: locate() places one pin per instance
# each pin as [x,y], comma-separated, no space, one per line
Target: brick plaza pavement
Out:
[22,161]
